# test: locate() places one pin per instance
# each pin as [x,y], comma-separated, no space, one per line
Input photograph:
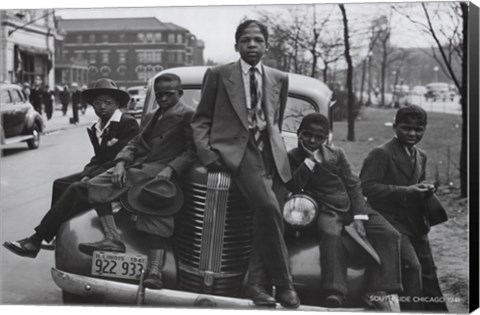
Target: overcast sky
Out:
[214,24]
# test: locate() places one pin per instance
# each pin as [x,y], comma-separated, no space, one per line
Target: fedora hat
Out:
[106,87]
[154,196]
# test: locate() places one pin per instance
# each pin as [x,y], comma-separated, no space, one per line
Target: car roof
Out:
[299,85]
[9,86]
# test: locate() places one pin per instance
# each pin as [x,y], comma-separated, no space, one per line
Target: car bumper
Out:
[116,292]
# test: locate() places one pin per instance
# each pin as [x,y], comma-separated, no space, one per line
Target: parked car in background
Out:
[418,90]
[209,254]
[439,91]
[20,122]
[137,98]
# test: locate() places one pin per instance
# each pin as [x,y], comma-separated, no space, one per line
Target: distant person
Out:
[108,135]
[65,99]
[48,97]
[36,98]
[26,91]
[393,176]
[323,172]
[236,128]
[76,98]
[83,102]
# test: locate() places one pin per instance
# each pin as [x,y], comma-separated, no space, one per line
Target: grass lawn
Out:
[441,141]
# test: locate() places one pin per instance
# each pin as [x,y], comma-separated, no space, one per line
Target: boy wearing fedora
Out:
[393,176]
[323,172]
[108,135]
[148,166]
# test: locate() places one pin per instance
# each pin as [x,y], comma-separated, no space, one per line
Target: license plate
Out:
[118,265]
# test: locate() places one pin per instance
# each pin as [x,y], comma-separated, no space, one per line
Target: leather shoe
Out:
[259,295]
[153,281]
[334,301]
[25,247]
[287,296]
[105,245]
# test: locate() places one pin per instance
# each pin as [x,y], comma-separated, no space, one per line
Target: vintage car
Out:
[207,262]
[137,98]
[439,91]
[20,122]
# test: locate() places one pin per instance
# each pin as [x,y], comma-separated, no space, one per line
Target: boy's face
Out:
[105,106]
[409,132]
[251,45]
[313,136]
[167,93]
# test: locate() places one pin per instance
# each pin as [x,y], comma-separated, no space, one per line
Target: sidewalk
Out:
[59,122]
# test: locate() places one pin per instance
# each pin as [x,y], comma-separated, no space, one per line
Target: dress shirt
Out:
[99,131]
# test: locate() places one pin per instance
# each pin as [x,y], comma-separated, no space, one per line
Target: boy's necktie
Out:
[256,109]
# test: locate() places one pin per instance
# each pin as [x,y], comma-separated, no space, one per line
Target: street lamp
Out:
[435,70]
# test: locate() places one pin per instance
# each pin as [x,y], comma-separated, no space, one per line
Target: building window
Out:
[158,68]
[79,55]
[92,58]
[91,38]
[180,56]
[171,56]
[105,70]
[122,70]
[105,58]
[158,37]
[79,39]
[179,38]
[149,38]
[140,57]
[93,69]
[105,38]
[121,37]
[171,38]
[158,56]
[141,37]
[122,57]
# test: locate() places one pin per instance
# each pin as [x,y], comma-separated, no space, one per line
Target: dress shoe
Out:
[153,281]
[25,247]
[259,295]
[334,301]
[287,296]
[106,245]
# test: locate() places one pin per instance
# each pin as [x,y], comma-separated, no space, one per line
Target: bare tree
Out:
[348,59]
[451,42]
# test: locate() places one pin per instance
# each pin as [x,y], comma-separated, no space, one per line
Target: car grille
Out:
[214,237]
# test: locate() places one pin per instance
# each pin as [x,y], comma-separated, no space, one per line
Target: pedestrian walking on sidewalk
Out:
[75,103]
[65,99]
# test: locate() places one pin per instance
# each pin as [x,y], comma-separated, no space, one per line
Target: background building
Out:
[128,50]
[27,49]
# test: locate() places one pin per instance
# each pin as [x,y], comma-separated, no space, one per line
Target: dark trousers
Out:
[64,108]
[419,276]
[49,109]
[333,258]
[73,201]
[60,185]
[75,112]
[270,257]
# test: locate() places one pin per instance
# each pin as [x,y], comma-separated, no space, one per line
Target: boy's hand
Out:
[358,226]
[119,175]
[166,173]
[420,190]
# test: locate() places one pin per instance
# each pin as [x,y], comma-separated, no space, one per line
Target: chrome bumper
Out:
[117,292]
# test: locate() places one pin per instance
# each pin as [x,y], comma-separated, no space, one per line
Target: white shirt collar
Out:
[116,116]
[246,66]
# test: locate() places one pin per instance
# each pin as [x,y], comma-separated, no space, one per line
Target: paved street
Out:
[25,198]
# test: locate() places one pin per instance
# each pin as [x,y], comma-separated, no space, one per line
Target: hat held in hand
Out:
[155,196]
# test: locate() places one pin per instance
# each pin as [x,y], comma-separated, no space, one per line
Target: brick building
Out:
[128,50]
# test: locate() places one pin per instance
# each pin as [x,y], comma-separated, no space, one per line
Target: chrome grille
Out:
[214,237]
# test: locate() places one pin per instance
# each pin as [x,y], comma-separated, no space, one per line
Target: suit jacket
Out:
[220,123]
[331,183]
[105,152]
[169,144]
[385,175]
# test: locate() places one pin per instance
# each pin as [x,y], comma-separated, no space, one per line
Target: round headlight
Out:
[300,210]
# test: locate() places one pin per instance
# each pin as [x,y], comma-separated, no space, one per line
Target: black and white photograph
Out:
[256,156]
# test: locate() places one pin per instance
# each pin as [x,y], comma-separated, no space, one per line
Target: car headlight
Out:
[300,210]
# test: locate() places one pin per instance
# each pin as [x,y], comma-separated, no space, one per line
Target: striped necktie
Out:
[255,108]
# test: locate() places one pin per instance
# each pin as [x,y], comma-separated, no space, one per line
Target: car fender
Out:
[33,118]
